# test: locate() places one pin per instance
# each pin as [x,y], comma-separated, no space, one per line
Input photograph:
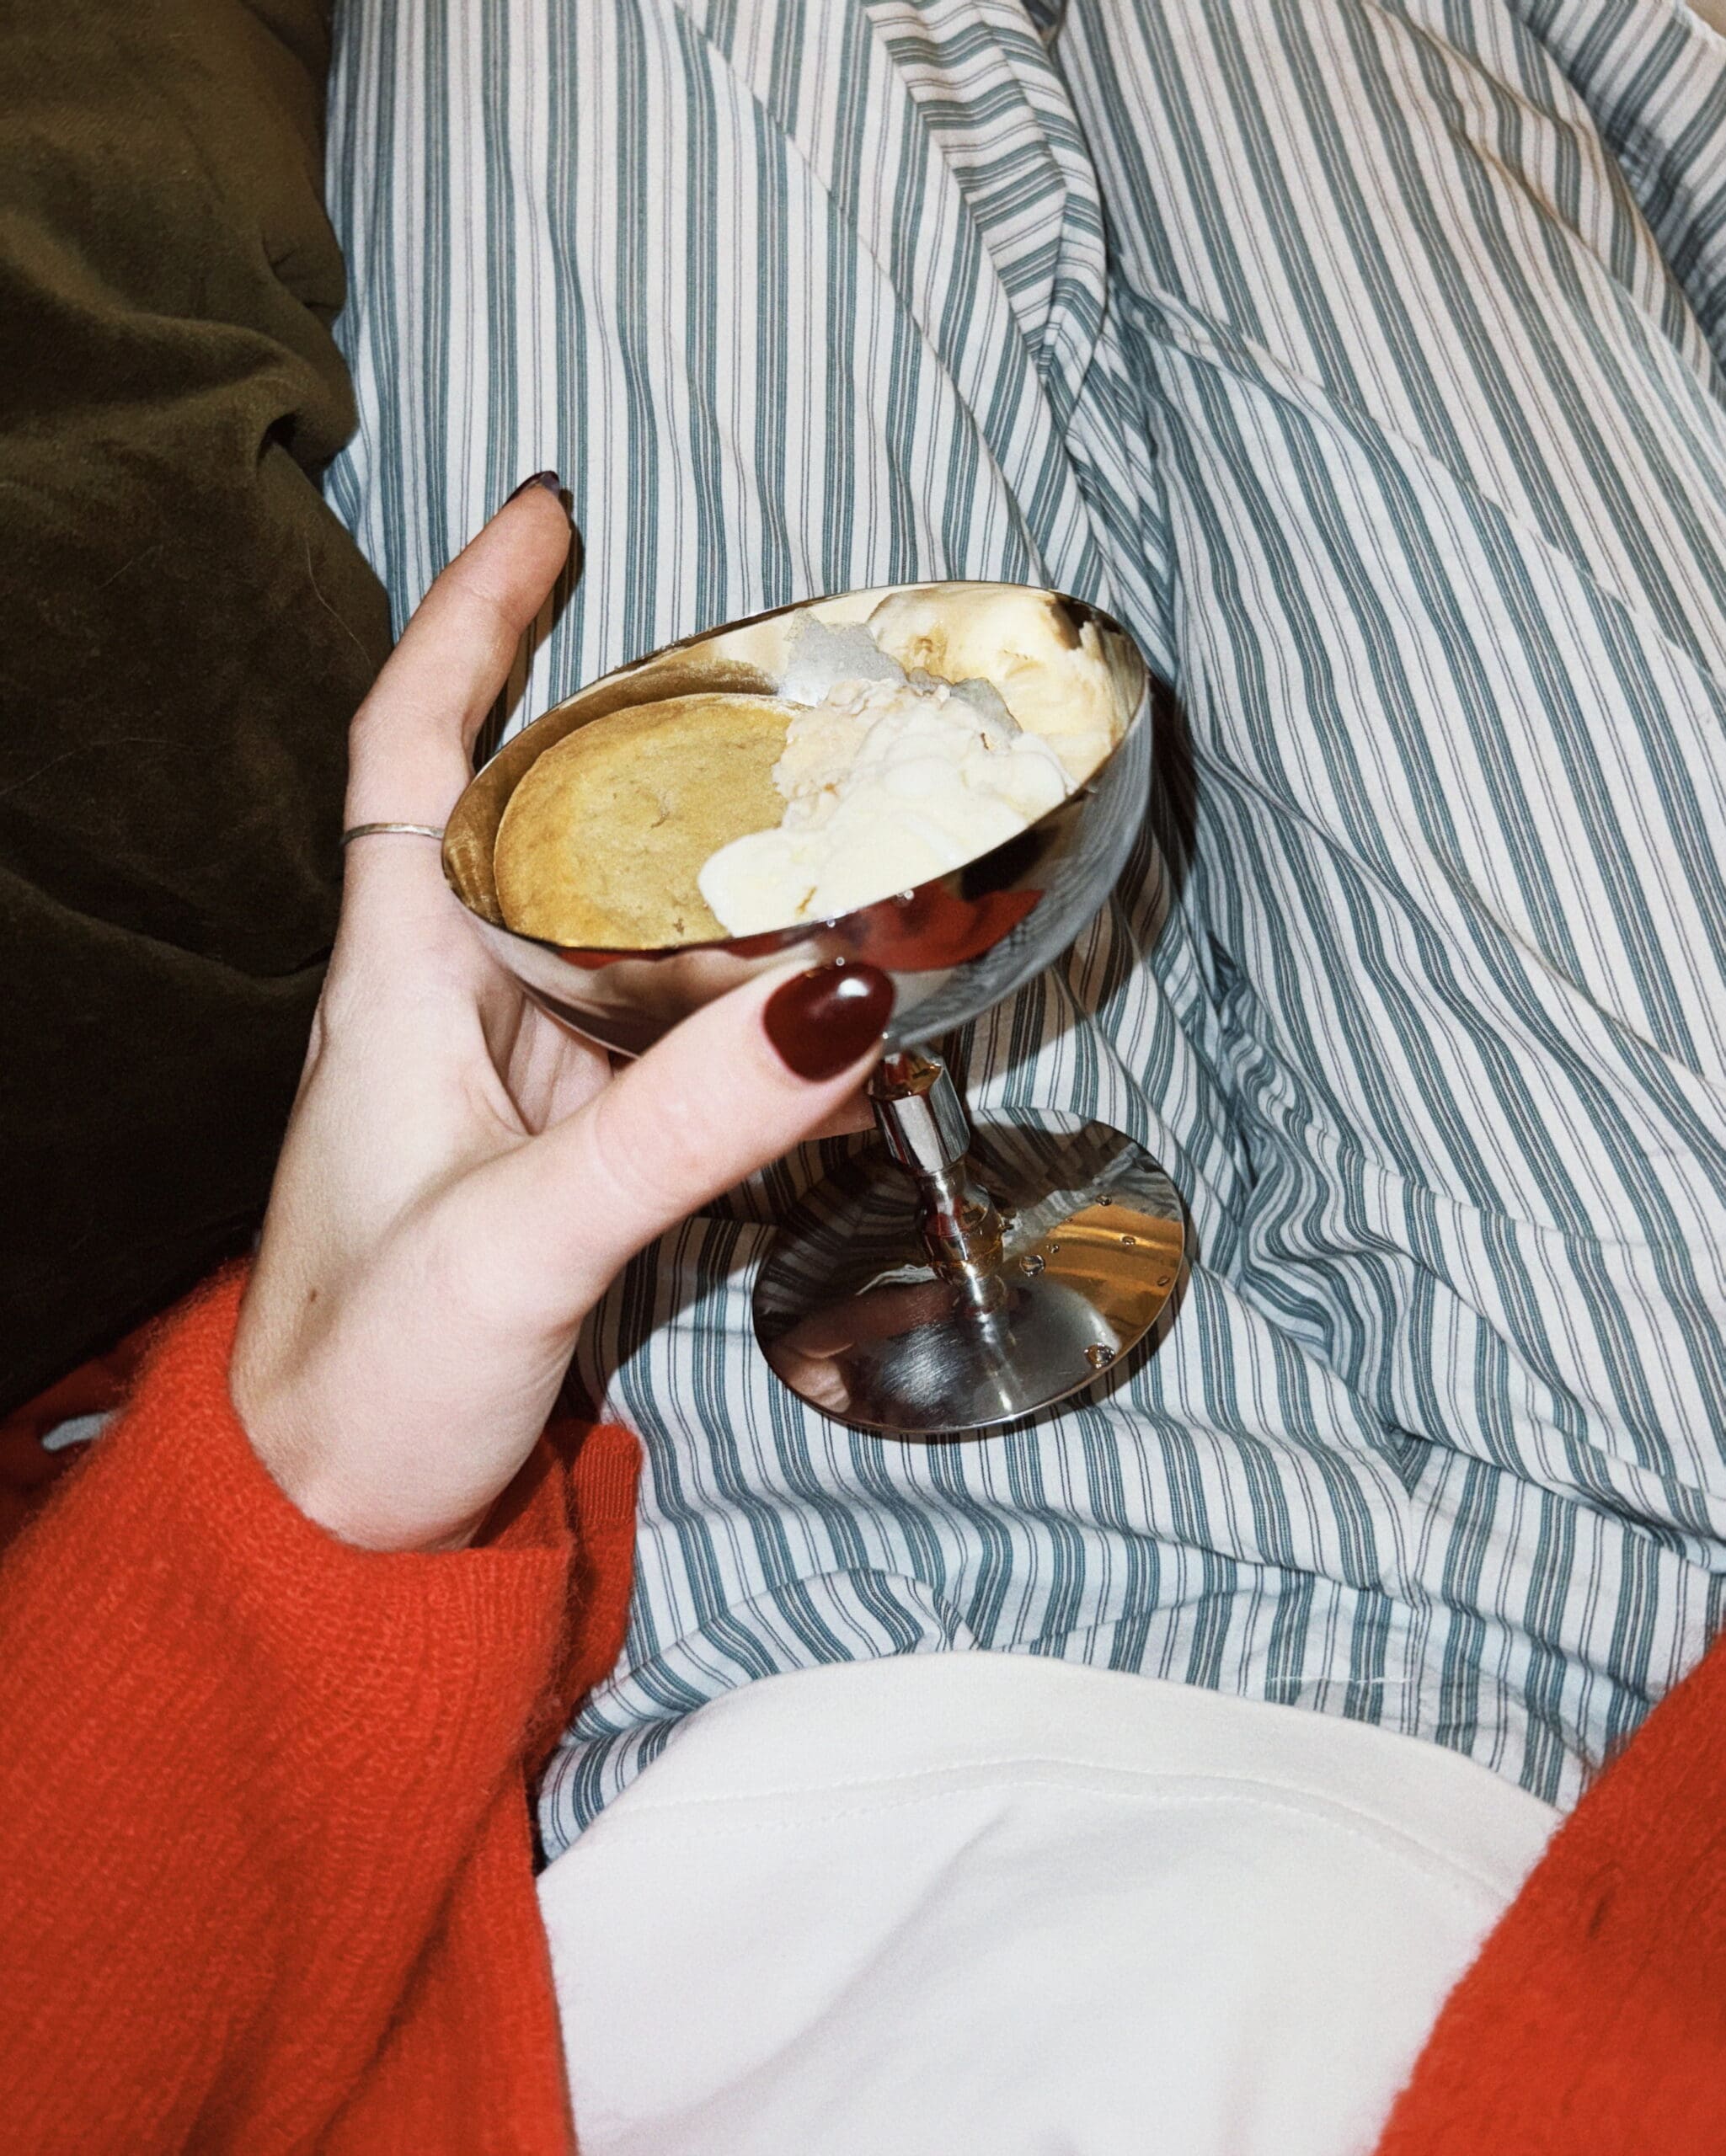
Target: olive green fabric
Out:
[185,632]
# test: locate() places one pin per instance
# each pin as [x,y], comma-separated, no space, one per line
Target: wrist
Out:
[319,1479]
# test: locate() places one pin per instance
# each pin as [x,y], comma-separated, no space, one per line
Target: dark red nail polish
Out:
[549,480]
[822,1022]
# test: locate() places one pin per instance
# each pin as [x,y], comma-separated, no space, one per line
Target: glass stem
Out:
[923,1123]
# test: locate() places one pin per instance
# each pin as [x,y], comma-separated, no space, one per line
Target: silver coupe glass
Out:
[952,1279]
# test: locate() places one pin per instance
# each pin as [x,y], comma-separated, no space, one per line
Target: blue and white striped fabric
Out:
[1361,354]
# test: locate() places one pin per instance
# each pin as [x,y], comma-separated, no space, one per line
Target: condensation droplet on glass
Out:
[1129,1242]
[1099,1356]
[1031,1263]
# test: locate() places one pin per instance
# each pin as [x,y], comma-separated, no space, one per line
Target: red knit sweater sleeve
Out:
[264,1866]
[1594,2022]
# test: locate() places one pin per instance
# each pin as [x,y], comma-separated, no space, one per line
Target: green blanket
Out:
[184,633]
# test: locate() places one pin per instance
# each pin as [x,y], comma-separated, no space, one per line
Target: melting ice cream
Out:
[1048,669]
[946,726]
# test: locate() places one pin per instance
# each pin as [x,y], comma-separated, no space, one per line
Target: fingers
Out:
[811,1357]
[408,747]
[852,1115]
[412,734]
[729,1090]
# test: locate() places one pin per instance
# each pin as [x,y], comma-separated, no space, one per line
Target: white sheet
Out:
[984,1902]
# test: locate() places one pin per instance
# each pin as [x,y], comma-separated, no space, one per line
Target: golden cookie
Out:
[604,836]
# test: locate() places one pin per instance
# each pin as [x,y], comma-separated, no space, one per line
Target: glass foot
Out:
[852,1314]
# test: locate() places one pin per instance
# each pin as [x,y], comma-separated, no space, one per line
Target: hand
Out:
[461,1177]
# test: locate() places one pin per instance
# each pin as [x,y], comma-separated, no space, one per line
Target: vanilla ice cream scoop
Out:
[1050,671]
[887,783]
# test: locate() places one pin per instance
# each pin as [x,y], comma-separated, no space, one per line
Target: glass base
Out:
[855,1318]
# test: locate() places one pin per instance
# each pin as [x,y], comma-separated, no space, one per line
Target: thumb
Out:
[408,747]
[411,736]
[730,1089]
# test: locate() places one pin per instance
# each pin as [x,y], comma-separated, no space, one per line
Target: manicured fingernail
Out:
[549,480]
[822,1022]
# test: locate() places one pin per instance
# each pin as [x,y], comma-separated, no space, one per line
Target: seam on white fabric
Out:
[1349,1819]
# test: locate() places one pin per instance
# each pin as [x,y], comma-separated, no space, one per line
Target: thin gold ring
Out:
[413,830]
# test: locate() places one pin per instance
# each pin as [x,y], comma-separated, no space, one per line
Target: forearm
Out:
[245,1769]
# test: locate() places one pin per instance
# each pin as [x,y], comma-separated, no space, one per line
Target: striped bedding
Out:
[1362,355]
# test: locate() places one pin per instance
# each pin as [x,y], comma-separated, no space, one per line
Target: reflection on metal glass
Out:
[858,1314]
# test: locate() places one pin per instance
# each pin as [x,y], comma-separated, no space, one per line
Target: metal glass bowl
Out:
[911,1303]
[955,945]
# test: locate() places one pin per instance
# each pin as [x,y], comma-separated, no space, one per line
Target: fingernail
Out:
[549,480]
[822,1022]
